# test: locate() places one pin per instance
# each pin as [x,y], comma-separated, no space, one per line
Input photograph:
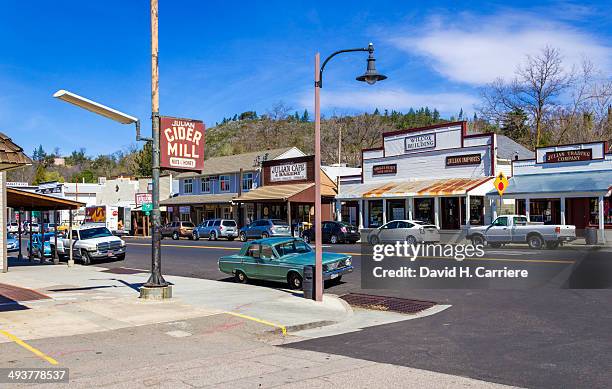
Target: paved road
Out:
[543,337]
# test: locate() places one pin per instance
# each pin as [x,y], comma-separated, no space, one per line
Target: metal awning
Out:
[30,201]
[281,192]
[594,182]
[415,188]
[224,198]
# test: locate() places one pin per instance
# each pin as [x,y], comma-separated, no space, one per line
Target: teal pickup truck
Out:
[281,259]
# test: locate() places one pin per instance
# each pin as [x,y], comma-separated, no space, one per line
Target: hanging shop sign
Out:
[384,169]
[461,160]
[288,172]
[181,144]
[142,198]
[568,156]
[418,142]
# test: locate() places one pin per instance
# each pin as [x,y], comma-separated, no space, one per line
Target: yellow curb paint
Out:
[29,348]
[282,328]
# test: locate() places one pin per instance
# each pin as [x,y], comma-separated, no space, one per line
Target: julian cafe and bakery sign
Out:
[288,172]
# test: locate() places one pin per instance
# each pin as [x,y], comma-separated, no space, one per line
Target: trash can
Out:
[308,283]
[590,235]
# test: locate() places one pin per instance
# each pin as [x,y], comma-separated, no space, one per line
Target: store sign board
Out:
[419,142]
[142,198]
[384,169]
[461,160]
[288,172]
[568,156]
[181,144]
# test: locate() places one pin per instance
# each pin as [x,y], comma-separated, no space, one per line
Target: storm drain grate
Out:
[10,293]
[123,270]
[385,303]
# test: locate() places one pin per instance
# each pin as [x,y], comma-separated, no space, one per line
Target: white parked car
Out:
[13,228]
[91,242]
[411,231]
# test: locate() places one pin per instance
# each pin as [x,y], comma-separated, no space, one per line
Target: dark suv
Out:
[177,230]
[334,232]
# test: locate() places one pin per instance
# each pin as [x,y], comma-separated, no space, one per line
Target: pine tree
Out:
[305,116]
[460,117]
[376,112]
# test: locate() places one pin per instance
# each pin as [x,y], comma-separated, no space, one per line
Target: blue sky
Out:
[218,58]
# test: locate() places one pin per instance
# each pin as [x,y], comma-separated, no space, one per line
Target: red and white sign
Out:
[181,144]
[143,198]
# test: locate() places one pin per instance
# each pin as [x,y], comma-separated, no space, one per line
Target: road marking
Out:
[568,261]
[282,328]
[33,350]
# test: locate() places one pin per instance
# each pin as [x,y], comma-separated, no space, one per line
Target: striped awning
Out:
[414,188]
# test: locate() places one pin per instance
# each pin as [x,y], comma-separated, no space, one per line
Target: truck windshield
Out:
[98,232]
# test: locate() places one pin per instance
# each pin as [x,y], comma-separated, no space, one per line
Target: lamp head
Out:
[371,75]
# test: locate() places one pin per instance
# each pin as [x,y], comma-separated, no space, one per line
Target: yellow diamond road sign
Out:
[501,183]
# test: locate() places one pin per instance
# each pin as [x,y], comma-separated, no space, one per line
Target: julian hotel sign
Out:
[181,144]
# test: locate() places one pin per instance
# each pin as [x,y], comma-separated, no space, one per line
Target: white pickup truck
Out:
[517,229]
[91,242]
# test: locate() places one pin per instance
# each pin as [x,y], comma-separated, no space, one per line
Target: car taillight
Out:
[343,229]
[221,228]
[557,230]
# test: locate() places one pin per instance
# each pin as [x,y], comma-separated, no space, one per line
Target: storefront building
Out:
[439,174]
[209,195]
[288,191]
[566,184]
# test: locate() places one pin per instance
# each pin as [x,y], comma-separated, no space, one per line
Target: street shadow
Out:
[594,271]
[14,261]
[81,288]
[282,286]
[8,305]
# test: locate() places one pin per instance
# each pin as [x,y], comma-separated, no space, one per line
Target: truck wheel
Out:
[175,235]
[243,237]
[495,245]
[535,241]
[120,257]
[85,258]
[196,235]
[333,239]
[478,240]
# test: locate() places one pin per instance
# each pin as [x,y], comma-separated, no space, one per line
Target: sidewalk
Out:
[94,324]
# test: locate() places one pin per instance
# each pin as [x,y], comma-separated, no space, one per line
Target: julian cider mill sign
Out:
[288,172]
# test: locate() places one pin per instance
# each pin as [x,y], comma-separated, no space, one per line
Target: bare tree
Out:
[535,90]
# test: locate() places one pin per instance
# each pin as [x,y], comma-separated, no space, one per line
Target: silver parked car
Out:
[411,231]
[216,228]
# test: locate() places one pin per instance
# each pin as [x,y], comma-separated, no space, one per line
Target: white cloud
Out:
[392,99]
[476,50]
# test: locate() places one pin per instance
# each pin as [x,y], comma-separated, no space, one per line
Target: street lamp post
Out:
[371,76]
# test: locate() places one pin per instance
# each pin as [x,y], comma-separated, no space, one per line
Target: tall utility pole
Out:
[317,168]
[156,279]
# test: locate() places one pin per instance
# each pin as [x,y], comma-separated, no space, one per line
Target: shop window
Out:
[205,184]
[477,210]
[375,213]
[188,185]
[224,183]
[546,211]
[594,211]
[247,181]
[227,213]
[424,210]
[396,209]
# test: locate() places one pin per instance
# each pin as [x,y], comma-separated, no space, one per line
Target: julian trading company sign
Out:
[418,142]
[568,156]
[460,160]
[288,172]
[384,169]
[181,144]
